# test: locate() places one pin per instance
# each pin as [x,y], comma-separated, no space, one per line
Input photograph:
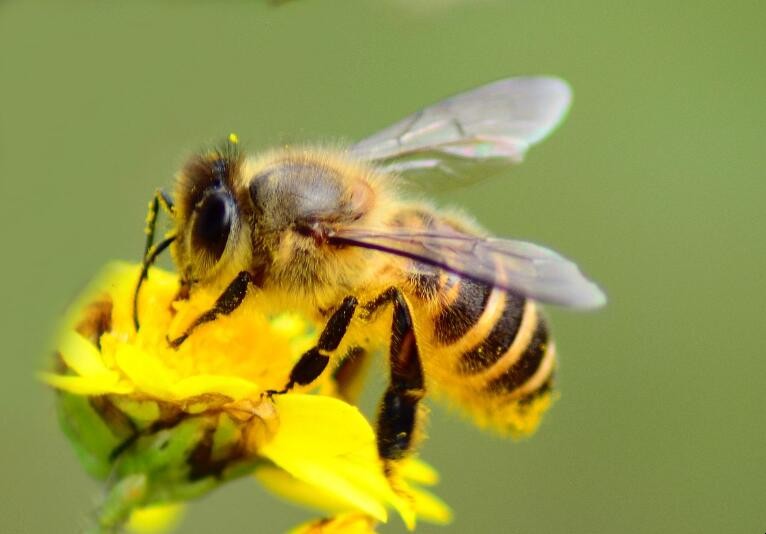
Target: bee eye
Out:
[212,223]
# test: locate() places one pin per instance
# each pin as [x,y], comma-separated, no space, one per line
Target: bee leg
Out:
[314,360]
[147,262]
[160,200]
[371,307]
[397,414]
[229,301]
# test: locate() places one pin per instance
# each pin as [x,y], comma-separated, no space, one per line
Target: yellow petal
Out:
[350,523]
[335,480]
[155,519]
[231,386]
[328,443]
[145,371]
[87,385]
[416,470]
[283,484]
[429,507]
[81,355]
[401,499]
[422,503]
[335,428]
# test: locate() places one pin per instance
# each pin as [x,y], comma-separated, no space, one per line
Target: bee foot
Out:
[271,393]
[176,343]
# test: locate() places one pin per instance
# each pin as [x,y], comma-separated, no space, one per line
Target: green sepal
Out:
[158,467]
[91,437]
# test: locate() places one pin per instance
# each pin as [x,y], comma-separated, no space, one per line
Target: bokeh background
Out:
[655,184]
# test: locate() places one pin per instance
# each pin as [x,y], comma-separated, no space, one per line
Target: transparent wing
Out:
[516,266]
[473,134]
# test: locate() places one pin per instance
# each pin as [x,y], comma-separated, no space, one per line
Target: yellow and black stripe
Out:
[497,343]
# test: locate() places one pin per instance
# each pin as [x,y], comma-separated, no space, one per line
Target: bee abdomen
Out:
[459,316]
[526,365]
[499,340]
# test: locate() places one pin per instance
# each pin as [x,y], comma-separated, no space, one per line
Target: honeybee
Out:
[328,233]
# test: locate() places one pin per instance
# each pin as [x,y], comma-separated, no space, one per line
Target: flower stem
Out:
[120,500]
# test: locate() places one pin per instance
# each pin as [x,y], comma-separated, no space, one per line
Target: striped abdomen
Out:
[491,350]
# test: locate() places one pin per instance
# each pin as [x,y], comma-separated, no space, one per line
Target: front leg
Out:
[314,361]
[229,301]
[160,200]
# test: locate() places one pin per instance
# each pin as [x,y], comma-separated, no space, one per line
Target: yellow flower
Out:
[164,425]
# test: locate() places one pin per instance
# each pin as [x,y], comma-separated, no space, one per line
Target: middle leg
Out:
[314,361]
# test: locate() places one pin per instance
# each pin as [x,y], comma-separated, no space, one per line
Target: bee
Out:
[328,233]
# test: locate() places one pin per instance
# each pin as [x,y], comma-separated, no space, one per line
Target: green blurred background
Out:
[655,184]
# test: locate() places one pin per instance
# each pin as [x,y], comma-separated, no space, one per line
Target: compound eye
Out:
[214,216]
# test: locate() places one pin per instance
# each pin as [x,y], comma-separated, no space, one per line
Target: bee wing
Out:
[517,266]
[473,134]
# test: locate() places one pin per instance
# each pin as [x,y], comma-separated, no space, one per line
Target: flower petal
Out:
[81,355]
[336,429]
[283,484]
[328,443]
[416,470]
[87,385]
[155,519]
[429,507]
[350,523]
[146,372]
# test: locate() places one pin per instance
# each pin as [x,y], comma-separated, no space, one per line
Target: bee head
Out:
[207,214]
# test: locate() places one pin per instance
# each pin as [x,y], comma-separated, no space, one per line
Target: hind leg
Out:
[397,416]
